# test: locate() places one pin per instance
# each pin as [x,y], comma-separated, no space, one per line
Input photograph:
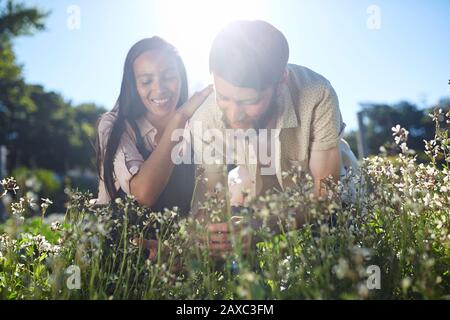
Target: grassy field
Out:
[388,240]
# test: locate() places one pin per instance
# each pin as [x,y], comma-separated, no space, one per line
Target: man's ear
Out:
[284,79]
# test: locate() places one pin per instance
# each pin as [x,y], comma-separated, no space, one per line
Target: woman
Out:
[134,144]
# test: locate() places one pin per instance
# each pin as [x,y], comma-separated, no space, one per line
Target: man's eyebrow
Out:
[255,99]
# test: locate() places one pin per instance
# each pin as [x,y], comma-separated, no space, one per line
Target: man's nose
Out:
[234,113]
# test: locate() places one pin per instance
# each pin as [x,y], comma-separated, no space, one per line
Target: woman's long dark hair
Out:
[129,106]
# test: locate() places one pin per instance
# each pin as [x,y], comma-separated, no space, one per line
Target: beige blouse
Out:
[128,159]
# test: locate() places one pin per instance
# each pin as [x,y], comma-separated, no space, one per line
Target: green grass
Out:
[398,222]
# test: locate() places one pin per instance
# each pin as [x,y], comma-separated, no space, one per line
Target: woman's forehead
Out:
[154,62]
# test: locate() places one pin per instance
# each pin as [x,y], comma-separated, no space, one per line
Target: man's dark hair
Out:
[249,54]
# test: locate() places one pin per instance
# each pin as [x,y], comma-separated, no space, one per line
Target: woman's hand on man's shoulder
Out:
[186,111]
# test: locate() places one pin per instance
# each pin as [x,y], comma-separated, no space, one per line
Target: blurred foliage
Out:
[52,134]
[380,118]
[42,131]
[17,19]
[41,183]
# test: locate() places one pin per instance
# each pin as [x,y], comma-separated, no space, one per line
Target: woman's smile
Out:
[161,102]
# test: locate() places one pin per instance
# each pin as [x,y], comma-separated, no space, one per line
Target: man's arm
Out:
[322,164]
[207,180]
[327,129]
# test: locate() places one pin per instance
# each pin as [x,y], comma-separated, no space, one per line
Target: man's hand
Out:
[323,164]
[151,245]
[223,237]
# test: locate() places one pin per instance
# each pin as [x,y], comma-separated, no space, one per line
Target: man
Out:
[256,89]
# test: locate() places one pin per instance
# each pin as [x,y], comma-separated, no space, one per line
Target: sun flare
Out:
[192,25]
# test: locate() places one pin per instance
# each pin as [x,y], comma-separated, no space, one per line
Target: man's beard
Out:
[269,114]
[264,119]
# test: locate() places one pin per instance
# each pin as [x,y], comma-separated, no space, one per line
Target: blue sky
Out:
[406,58]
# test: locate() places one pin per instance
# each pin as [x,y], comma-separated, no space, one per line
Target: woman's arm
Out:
[154,174]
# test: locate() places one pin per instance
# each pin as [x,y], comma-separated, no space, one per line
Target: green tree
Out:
[380,118]
[46,136]
[39,128]
[15,20]
[82,150]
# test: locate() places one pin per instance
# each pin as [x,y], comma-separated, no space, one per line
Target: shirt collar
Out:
[287,117]
[146,127]
[148,130]
[143,123]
